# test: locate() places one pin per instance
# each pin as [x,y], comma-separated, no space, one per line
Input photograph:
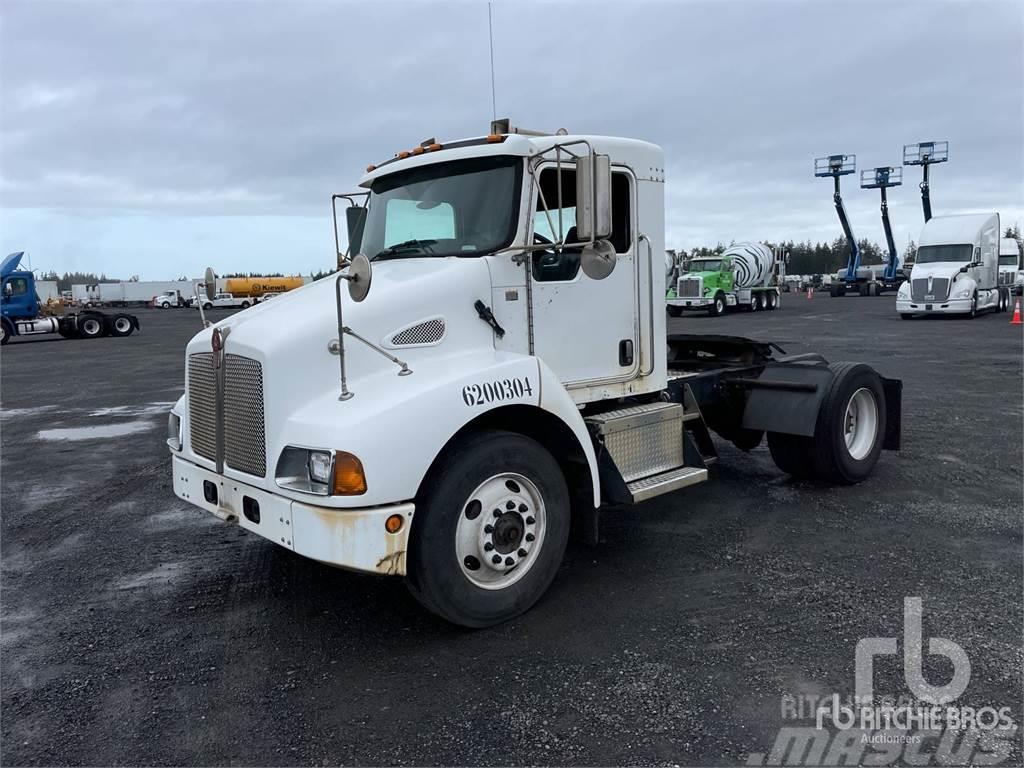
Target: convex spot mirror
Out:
[211,283]
[359,276]
[593,197]
[598,260]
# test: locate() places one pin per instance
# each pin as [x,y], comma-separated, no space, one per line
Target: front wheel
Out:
[207,305]
[490,530]
[717,308]
[166,305]
[974,306]
[245,305]
[5,334]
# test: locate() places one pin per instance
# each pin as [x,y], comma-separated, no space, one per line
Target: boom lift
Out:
[924,154]
[836,166]
[881,179]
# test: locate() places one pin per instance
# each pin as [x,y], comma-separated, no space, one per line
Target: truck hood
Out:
[10,263]
[946,269]
[290,335]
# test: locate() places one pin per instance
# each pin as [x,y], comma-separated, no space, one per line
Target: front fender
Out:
[397,426]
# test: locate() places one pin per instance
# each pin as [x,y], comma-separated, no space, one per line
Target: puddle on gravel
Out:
[17,413]
[93,433]
[159,577]
[149,409]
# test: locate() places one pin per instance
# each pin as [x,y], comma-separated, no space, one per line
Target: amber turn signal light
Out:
[349,479]
[393,524]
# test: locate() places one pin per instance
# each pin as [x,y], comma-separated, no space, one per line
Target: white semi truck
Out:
[448,434]
[745,275]
[956,270]
[1011,270]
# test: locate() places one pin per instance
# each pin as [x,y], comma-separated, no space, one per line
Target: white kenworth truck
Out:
[956,270]
[490,364]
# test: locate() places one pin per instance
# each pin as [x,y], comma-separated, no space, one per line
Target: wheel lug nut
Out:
[523,507]
[529,537]
[521,553]
[497,513]
[509,561]
[496,559]
[488,546]
[488,528]
[530,520]
[510,505]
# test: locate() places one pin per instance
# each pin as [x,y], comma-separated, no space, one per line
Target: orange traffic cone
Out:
[810,292]
[1016,313]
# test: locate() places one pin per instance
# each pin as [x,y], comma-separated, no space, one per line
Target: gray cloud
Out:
[181,109]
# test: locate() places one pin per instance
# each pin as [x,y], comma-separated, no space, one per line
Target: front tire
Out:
[974,306]
[5,333]
[717,308]
[245,305]
[494,495]
[165,305]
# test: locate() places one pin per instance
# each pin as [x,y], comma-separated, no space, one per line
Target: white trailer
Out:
[134,291]
[448,434]
[957,268]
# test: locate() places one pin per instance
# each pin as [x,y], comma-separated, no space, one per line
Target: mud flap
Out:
[893,413]
[785,398]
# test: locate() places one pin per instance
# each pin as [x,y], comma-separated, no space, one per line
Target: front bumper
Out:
[347,538]
[947,307]
[690,302]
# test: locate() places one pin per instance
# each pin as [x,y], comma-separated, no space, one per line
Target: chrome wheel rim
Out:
[860,424]
[91,326]
[122,324]
[500,531]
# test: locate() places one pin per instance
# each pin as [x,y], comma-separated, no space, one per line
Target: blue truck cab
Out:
[21,315]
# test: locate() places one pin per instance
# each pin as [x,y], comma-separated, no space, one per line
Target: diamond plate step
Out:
[666,482]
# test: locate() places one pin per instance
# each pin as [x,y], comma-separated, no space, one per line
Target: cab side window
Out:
[18,286]
[551,265]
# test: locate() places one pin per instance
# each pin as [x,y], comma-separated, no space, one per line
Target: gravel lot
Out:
[139,630]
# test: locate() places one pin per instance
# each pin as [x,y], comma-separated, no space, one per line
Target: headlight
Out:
[962,292]
[904,290]
[321,472]
[174,431]
[319,465]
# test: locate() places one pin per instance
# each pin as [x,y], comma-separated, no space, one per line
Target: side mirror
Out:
[359,276]
[7,290]
[355,219]
[598,260]
[594,197]
[211,283]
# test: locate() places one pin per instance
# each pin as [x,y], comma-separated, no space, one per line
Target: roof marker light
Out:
[371,167]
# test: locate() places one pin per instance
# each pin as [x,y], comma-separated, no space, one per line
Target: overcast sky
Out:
[154,138]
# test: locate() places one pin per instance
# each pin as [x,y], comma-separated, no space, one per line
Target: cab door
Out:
[586,331]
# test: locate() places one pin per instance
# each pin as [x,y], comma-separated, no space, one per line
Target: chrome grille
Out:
[244,441]
[202,405]
[689,288]
[426,332]
[919,289]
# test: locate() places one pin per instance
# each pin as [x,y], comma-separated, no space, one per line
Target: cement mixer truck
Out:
[746,275]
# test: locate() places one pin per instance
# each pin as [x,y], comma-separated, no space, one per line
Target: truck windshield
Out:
[1008,261]
[929,254]
[706,265]
[459,208]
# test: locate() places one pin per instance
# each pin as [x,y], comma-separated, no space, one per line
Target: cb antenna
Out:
[490,33]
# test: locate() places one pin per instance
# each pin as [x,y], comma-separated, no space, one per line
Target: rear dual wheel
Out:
[848,434]
[91,327]
[490,530]
[121,325]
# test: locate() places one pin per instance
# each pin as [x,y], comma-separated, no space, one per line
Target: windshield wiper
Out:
[393,250]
